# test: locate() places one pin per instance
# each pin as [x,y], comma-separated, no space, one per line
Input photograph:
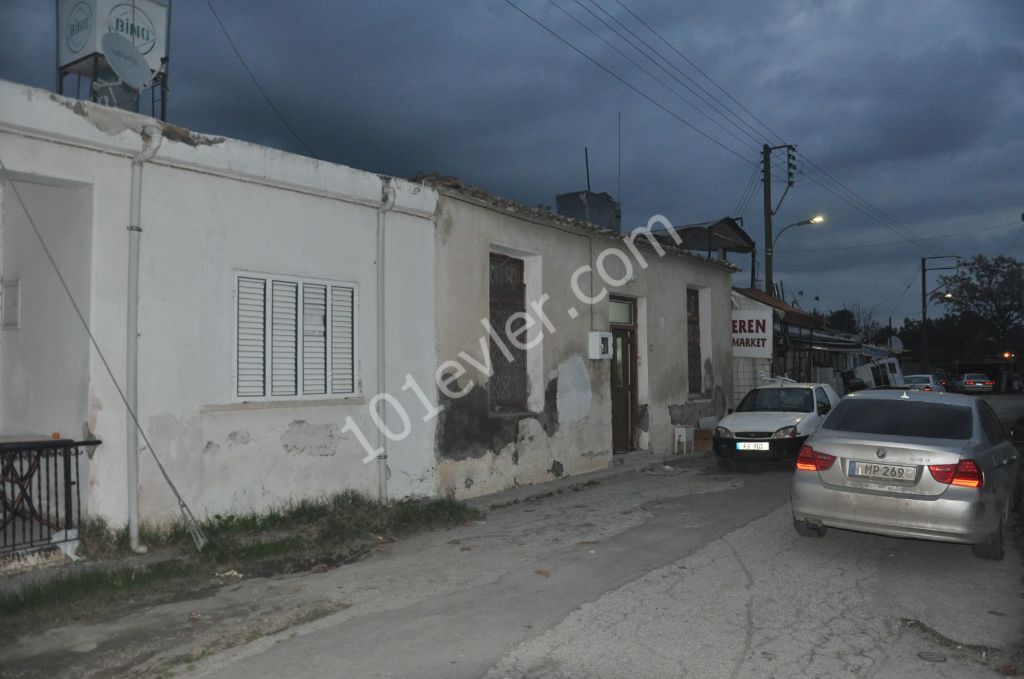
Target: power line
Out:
[865,206]
[658,80]
[256,82]
[755,139]
[627,83]
[955,234]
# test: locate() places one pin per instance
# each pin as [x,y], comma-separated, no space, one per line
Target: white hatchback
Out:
[772,421]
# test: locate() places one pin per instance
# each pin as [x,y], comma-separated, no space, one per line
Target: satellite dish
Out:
[126,61]
[895,345]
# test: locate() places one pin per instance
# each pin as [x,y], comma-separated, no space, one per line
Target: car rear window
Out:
[914,379]
[890,417]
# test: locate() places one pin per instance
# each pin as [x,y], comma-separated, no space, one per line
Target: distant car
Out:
[772,422]
[923,382]
[973,383]
[913,465]
[944,379]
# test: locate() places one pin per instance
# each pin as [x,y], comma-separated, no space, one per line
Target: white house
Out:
[295,318]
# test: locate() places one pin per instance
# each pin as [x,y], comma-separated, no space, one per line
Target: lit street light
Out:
[769,252]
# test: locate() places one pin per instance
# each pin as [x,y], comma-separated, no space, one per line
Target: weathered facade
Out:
[287,307]
[670,328]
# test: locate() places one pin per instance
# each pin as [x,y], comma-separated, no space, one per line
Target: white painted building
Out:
[242,414]
[279,296]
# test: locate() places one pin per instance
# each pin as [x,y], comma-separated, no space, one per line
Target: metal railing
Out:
[40,500]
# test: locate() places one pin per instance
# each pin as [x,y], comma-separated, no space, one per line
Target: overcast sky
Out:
[915,106]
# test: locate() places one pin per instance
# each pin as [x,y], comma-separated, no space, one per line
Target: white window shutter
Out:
[284,339]
[314,339]
[342,340]
[251,349]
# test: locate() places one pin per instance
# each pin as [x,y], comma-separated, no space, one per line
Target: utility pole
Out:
[766,179]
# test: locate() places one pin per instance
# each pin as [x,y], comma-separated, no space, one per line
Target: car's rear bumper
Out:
[958,515]
[778,449]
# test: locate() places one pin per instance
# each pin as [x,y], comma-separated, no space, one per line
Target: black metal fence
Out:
[40,500]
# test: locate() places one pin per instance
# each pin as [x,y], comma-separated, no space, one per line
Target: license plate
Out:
[888,472]
[752,445]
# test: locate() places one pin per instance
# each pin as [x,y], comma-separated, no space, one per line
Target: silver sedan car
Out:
[909,464]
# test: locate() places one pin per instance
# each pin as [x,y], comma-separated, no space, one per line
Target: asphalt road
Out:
[673,572]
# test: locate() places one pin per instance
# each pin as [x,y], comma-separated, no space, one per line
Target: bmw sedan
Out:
[909,464]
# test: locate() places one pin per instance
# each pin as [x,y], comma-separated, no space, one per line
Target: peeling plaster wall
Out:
[211,207]
[480,452]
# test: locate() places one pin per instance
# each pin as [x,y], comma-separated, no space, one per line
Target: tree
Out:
[990,291]
[842,320]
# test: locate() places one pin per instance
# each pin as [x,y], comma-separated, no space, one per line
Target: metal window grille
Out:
[508,384]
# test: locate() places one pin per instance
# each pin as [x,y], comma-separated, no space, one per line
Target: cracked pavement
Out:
[685,572]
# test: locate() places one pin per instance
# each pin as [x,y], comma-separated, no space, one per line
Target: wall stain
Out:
[211,448]
[310,439]
[644,421]
[239,437]
[557,469]
[467,429]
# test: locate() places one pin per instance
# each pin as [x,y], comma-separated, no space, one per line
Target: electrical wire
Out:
[658,80]
[954,234]
[628,84]
[259,88]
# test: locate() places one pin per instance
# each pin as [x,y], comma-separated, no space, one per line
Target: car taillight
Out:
[965,474]
[970,381]
[989,383]
[811,460]
[927,388]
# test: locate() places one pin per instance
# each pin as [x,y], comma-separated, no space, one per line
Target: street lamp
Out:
[924,300]
[769,252]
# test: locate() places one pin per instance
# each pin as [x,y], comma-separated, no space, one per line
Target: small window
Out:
[822,398]
[294,337]
[620,312]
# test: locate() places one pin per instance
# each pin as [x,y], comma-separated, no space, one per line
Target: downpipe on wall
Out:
[386,204]
[152,136]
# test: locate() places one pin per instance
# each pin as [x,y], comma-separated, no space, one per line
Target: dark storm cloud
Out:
[915,105]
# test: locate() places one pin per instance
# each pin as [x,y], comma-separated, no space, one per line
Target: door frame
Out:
[633,411]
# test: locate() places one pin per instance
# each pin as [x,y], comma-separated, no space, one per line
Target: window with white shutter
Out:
[294,337]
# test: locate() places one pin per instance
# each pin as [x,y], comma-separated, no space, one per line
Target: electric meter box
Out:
[599,345]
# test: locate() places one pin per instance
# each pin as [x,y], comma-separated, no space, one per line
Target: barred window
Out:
[693,358]
[294,337]
[508,384]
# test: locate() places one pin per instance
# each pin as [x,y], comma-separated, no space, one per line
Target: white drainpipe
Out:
[152,136]
[387,202]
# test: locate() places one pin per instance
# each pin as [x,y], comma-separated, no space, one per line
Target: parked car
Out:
[973,383]
[772,421]
[909,464]
[923,382]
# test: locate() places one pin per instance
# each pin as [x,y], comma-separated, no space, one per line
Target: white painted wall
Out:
[211,207]
[44,377]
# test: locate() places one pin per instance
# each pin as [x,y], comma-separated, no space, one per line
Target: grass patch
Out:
[271,541]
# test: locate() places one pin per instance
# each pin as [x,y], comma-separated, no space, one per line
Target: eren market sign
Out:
[752,334]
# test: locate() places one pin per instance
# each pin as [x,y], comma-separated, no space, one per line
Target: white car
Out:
[772,422]
[924,383]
